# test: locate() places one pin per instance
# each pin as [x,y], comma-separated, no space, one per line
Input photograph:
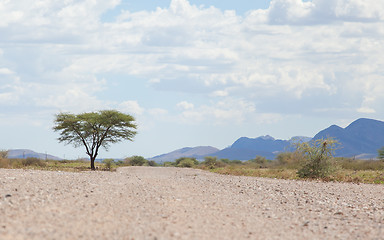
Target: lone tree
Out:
[94,130]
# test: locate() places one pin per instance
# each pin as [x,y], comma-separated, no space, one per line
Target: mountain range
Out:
[26,153]
[361,139]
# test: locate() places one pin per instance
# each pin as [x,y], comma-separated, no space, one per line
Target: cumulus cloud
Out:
[11,88]
[295,49]
[185,105]
[320,11]
[220,112]
[131,107]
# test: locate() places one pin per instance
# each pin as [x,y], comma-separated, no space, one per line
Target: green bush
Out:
[177,161]
[120,163]
[186,163]
[318,158]
[108,163]
[237,162]
[381,153]
[136,161]
[210,162]
[152,163]
[259,160]
[225,160]
[169,164]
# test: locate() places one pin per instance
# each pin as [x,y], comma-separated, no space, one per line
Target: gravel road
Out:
[173,203]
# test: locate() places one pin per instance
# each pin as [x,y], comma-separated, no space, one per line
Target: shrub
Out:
[260,160]
[4,163]
[120,163]
[152,163]
[136,161]
[31,161]
[225,160]
[210,162]
[4,154]
[221,164]
[319,161]
[290,159]
[381,153]
[179,160]
[237,162]
[169,164]
[360,165]
[108,163]
[186,163]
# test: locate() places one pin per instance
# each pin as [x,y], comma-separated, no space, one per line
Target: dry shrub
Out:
[4,163]
[319,161]
[358,165]
[33,162]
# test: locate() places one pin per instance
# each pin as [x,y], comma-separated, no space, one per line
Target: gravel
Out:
[174,203]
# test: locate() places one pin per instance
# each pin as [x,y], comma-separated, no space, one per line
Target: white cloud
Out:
[157,111]
[185,105]
[220,112]
[220,93]
[11,89]
[77,95]
[131,107]
[293,49]
[283,11]
[5,71]
[320,11]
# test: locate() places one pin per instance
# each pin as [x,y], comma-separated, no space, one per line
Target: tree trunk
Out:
[93,164]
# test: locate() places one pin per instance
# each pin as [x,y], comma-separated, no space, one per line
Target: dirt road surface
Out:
[173,203]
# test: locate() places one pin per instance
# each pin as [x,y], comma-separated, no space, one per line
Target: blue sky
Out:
[191,72]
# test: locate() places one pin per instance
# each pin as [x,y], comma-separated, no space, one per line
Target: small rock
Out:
[8,195]
[306,224]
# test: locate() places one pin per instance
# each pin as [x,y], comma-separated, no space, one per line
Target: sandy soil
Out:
[171,203]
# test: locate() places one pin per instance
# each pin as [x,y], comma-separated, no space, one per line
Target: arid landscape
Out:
[179,203]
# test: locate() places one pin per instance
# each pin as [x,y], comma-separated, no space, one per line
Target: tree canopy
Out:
[94,130]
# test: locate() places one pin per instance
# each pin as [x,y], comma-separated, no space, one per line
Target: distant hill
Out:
[248,148]
[26,153]
[195,152]
[242,149]
[361,139]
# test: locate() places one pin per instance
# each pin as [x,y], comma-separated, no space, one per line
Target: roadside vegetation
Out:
[70,165]
[313,160]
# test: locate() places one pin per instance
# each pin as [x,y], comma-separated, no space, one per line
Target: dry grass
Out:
[347,170]
[257,172]
[51,165]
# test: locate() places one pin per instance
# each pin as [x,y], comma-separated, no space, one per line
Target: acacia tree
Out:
[94,130]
